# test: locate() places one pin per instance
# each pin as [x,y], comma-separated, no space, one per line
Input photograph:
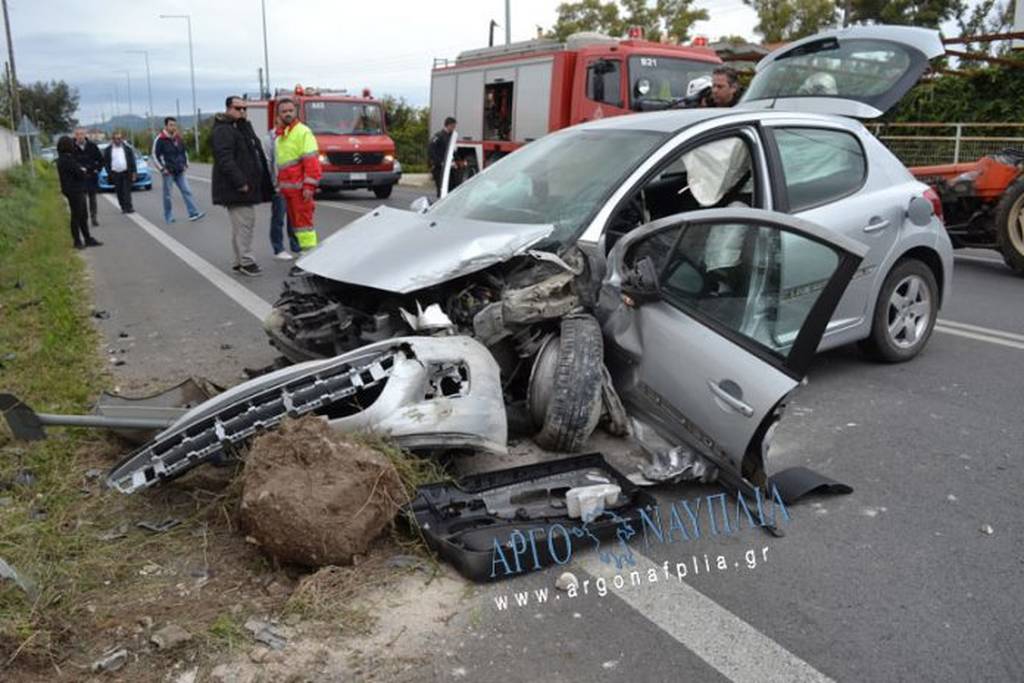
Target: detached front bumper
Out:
[346,179]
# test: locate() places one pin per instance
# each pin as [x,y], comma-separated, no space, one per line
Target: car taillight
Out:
[931,195]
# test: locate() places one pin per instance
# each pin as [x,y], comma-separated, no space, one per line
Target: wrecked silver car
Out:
[427,394]
[519,255]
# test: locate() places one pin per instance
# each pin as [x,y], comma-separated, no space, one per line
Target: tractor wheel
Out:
[1010,226]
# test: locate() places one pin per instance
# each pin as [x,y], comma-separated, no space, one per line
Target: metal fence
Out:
[927,144]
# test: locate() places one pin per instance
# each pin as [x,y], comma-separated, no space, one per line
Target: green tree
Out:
[51,106]
[786,20]
[409,127]
[930,13]
[658,18]
[988,16]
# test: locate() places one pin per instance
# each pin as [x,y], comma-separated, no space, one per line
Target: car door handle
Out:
[730,400]
[876,224]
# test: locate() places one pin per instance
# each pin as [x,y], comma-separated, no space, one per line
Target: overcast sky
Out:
[387,45]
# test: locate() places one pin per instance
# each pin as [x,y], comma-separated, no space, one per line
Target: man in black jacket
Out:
[119,160]
[88,156]
[171,158]
[240,179]
[437,152]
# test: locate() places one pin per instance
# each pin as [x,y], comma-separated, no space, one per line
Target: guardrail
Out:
[927,144]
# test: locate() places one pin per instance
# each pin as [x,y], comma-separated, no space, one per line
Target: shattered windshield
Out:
[343,118]
[561,179]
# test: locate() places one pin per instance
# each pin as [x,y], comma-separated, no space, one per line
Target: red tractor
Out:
[983,203]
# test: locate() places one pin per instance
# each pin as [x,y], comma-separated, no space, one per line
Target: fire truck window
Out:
[604,82]
[343,118]
[498,111]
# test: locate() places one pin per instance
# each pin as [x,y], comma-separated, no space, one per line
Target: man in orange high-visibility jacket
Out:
[298,171]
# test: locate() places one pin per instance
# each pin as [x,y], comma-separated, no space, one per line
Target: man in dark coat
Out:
[89,157]
[437,152]
[119,160]
[240,179]
[171,158]
[73,180]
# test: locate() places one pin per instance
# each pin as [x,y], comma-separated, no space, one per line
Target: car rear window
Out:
[819,165]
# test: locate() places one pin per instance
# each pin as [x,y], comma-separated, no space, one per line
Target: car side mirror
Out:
[420,205]
[920,211]
[641,280]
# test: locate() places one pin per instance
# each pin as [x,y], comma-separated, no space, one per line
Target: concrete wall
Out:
[10,155]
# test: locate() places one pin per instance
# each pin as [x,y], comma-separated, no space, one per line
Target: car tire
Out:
[1009,229]
[382,191]
[564,394]
[905,313]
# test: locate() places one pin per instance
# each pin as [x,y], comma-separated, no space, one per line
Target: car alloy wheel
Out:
[910,312]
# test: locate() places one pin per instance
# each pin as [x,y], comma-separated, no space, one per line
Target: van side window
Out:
[820,166]
[604,82]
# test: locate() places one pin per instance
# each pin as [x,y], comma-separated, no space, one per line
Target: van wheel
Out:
[383,191]
[1010,226]
[564,394]
[905,313]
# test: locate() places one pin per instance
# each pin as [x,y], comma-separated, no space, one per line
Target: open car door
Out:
[711,318]
[860,71]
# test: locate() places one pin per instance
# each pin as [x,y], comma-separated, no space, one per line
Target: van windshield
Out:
[561,179]
[343,118]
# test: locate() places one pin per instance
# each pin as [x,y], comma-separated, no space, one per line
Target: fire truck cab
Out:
[351,132]
[505,96]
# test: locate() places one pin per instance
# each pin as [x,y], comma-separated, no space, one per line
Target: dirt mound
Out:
[314,497]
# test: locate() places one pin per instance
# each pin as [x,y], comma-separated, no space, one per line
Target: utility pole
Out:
[192,74]
[508,21]
[149,92]
[128,76]
[260,73]
[266,57]
[15,95]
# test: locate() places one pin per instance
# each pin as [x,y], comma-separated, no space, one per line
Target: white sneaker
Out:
[283,256]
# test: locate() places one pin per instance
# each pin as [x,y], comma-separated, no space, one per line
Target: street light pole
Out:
[149,90]
[508,21]
[192,74]
[128,77]
[266,57]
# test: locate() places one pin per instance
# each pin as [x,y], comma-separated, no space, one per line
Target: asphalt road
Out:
[894,582]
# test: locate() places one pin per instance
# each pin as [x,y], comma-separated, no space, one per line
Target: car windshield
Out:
[343,118]
[560,179]
[855,69]
[666,78]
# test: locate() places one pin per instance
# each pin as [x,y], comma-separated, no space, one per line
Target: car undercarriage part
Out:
[669,463]
[565,389]
[428,394]
[463,522]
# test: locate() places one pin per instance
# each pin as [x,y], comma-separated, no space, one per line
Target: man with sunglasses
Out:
[241,179]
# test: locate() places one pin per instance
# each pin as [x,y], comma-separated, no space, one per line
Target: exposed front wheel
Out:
[565,385]
[1010,226]
[382,191]
[905,313]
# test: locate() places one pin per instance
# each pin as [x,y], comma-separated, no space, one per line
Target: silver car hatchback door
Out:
[712,317]
[860,71]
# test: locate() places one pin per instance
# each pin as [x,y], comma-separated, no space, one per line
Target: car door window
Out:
[604,82]
[819,165]
[738,278]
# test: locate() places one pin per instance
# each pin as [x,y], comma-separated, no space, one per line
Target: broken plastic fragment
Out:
[587,502]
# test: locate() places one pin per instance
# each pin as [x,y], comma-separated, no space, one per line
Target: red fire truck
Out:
[508,95]
[355,149]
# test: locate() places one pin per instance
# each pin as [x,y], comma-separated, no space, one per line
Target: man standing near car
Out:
[725,87]
[298,172]
[171,158]
[119,160]
[240,179]
[437,152]
[278,209]
[89,157]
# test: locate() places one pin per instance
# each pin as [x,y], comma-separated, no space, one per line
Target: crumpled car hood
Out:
[402,251]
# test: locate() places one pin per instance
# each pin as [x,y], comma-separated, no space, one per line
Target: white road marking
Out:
[730,645]
[980,330]
[979,337]
[355,208]
[225,283]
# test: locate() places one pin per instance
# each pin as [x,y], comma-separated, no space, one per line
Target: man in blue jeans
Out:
[171,158]
[278,209]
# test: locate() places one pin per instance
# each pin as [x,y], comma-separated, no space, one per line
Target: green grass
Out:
[47,348]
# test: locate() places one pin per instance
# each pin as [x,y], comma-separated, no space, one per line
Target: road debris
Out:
[159,527]
[100,315]
[120,531]
[987,529]
[170,636]
[313,497]
[267,633]
[110,661]
[23,582]
[566,581]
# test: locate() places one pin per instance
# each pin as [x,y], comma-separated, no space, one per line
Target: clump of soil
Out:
[313,497]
